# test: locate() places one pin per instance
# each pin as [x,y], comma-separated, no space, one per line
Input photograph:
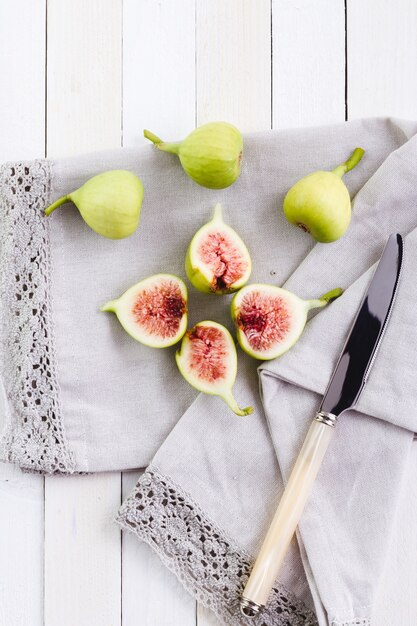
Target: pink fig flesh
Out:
[265,319]
[154,311]
[217,259]
[159,309]
[223,258]
[208,355]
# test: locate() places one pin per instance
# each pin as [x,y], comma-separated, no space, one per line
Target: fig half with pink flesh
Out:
[270,320]
[154,311]
[208,361]
[217,260]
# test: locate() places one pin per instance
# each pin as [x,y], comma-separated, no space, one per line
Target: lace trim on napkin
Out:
[34,436]
[209,565]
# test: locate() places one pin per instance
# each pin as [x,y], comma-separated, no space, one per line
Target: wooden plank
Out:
[82,551]
[382,58]
[22,132]
[159,94]
[22,79]
[205,617]
[158,69]
[82,544]
[84,76]
[308,62]
[151,594]
[21,547]
[234,63]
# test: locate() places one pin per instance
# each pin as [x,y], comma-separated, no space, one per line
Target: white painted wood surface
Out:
[308,62]
[82,562]
[22,132]
[79,76]
[22,76]
[382,54]
[158,69]
[232,81]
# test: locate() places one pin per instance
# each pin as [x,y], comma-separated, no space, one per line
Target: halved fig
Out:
[217,260]
[208,361]
[154,311]
[269,320]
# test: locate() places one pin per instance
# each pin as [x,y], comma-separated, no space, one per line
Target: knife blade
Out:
[359,351]
[343,391]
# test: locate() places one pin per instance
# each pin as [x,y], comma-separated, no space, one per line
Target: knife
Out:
[342,393]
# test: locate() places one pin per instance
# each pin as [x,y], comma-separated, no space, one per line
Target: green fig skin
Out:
[196,278]
[310,205]
[110,203]
[320,202]
[211,154]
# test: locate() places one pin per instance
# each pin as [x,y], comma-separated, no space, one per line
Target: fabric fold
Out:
[389,395]
[364,469]
[347,524]
[79,395]
[100,376]
[345,532]
[208,562]
[387,202]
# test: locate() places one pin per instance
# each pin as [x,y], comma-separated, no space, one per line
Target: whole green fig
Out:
[320,202]
[211,155]
[109,203]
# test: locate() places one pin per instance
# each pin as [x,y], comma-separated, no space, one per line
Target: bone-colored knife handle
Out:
[287,516]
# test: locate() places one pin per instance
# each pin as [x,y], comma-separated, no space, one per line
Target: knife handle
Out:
[286,518]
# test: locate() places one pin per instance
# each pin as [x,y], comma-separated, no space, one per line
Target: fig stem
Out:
[56,204]
[325,299]
[151,136]
[109,306]
[352,162]
[229,399]
[162,145]
[218,213]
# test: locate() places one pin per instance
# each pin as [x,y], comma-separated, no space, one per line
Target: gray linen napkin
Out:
[80,394]
[208,496]
[351,471]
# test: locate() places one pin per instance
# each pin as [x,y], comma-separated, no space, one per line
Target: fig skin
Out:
[198,274]
[223,390]
[110,203]
[298,310]
[211,154]
[122,307]
[320,202]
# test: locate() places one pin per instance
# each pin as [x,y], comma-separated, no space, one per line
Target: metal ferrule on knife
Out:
[326,418]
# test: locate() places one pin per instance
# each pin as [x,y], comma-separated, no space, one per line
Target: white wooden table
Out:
[80,75]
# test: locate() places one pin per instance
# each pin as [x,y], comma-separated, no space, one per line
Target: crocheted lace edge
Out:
[34,435]
[209,564]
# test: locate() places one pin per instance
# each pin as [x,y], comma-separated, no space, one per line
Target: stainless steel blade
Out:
[359,351]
